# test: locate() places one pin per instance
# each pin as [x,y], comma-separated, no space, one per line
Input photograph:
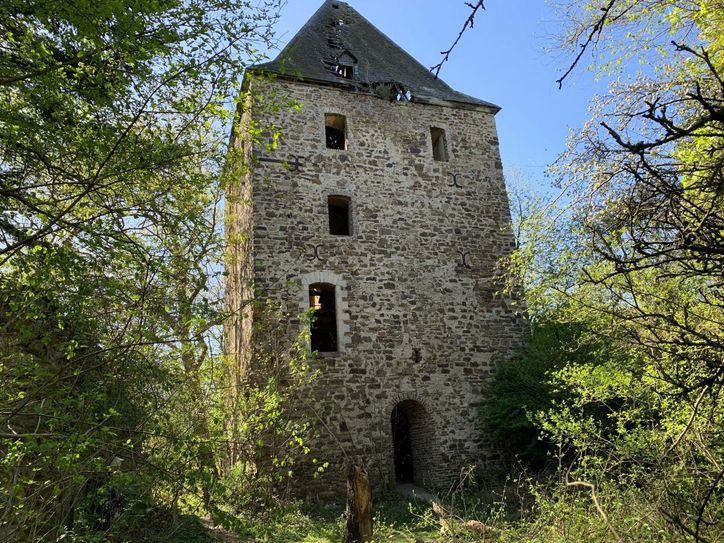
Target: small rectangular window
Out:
[324,323]
[339,216]
[439,144]
[335,131]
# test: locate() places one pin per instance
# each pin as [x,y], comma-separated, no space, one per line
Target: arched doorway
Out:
[404,470]
[411,441]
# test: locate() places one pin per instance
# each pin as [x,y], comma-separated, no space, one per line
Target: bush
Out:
[521,388]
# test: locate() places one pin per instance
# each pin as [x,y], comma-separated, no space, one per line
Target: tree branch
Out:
[594,497]
[469,23]
[595,31]
[4,82]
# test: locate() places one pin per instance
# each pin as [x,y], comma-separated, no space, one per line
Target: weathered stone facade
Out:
[419,323]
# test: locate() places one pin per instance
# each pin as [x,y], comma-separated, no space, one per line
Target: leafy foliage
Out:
[632,262]
[518,390]
[112,141]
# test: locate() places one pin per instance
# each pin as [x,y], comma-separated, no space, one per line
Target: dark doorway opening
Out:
[404,471]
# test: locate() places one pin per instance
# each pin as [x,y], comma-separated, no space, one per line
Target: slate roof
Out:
[337,32]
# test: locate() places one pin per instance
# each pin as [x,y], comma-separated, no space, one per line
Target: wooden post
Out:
[359,506]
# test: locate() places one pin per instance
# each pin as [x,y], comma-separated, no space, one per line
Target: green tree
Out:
[634,259]
[113,133]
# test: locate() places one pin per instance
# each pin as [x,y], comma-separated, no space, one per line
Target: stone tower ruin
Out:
[383,209]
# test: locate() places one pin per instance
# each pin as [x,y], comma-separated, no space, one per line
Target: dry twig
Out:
[469,23]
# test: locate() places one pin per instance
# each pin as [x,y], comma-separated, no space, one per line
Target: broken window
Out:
[345,66]
[339,215]
[439,144]
[335,128]
[345,71]
[324,321]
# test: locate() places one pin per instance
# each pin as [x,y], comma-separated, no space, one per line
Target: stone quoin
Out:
[384,209]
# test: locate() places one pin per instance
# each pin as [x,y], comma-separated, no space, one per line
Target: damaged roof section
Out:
[338,46]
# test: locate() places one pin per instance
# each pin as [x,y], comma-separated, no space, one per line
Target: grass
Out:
[491,511]
[396,520]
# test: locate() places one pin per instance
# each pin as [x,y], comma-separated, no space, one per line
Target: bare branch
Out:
[595,31]
[469,23]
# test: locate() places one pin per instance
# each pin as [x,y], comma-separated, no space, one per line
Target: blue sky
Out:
[503,60]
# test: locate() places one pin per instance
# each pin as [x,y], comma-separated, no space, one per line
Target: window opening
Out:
[339,216]
[324,322]
[439,144]
[335,128]
[345,71]
[345,65]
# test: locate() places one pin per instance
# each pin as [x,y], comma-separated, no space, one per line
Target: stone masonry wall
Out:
[416,273]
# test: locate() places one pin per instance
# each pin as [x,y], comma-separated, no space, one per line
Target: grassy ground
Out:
[396,520]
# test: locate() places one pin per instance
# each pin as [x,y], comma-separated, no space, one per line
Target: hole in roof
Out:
[392,91]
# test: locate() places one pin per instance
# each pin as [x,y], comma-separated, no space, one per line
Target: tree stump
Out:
[359,506]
